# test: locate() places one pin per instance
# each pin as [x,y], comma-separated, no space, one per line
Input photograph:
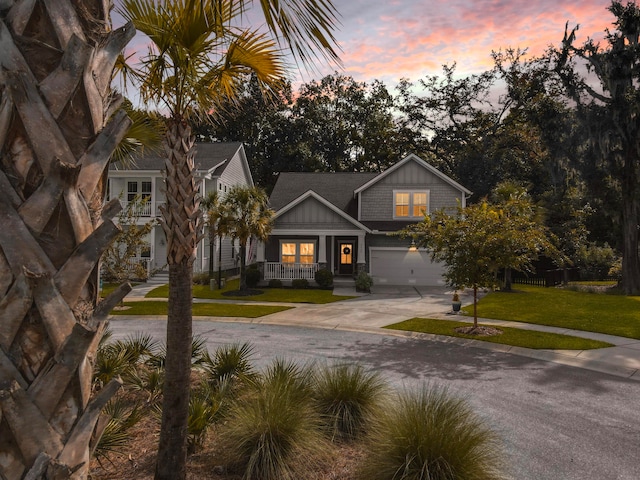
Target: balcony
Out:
[148,209]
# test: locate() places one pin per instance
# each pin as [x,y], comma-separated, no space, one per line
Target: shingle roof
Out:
[336,187]
[208,155]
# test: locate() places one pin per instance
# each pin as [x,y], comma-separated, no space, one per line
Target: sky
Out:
[392,39]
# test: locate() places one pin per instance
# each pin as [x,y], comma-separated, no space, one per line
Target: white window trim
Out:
[298,242]
[411,192]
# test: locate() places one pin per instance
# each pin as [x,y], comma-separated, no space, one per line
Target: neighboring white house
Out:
[218,167]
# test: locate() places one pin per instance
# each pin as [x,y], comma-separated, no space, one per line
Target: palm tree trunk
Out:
[182,223]
[57,134]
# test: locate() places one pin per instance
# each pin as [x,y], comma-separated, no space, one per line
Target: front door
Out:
[345,254]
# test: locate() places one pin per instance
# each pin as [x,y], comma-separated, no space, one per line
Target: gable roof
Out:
[323,201]
[336,188]
[413,158]
[210,157]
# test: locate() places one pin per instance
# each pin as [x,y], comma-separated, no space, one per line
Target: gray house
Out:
[342,221]
[218,167]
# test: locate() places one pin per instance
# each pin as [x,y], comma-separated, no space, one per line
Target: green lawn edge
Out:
[511,336]
[202,309]
[617,315]
[284,295]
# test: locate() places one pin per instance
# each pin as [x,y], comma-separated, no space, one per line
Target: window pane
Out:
[288,252]
[306,259]
[306,248]
[402,204]
[419,204]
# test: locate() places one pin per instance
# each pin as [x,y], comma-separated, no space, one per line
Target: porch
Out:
[290,271]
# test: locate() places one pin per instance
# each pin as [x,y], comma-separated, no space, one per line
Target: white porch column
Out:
[360,258]
[260,252]
[322,249]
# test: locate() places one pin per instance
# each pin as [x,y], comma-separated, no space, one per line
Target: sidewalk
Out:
[370,312]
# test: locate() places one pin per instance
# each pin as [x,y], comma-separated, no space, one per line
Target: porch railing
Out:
[290,271]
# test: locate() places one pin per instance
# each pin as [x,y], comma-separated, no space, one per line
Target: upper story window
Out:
[410,203]
[138,188]
[296,251]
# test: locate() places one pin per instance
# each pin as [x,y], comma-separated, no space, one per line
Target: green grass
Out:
[201,309]
[510,336]
[593,312]
[109,287]
[288,295]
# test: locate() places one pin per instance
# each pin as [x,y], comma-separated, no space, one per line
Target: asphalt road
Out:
[557,422]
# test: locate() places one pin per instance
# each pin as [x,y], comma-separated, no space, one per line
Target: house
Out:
[342,222]
[218,167]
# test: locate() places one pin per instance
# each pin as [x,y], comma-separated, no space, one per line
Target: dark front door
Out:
[345,255]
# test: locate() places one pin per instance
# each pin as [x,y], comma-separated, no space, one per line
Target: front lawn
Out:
[201,309]
[510,336]
[593,312]
[286,295]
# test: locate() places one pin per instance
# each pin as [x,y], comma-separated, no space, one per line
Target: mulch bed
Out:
[480,331]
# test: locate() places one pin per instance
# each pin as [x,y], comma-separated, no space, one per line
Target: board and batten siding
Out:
[312,214]
[377,200]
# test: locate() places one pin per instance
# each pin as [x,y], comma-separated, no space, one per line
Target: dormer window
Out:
[410,203]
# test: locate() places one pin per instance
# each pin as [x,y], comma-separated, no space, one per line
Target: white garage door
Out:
[402,267]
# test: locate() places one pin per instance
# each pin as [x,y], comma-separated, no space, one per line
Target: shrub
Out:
[206,407]
[228,362]
[364,282]
[348,397]
[595,261]
[273,431]
[324,278]
[252,276]
[275,283]
[201,278]
[431,434]
[300,283]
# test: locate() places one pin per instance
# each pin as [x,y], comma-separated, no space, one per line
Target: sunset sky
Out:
[392,39]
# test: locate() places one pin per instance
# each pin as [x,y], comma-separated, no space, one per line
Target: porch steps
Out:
[347,281]
[160,278]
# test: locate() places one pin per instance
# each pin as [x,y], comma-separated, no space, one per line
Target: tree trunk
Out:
[475,306]
[57,130]
[182,223]
[630,218]
[243,274]
[507,279]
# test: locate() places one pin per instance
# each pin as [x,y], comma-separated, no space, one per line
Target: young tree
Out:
[59,124]
[196,58]
[116,261]
[216,228]
[611,115]
[247,214]
[476,242]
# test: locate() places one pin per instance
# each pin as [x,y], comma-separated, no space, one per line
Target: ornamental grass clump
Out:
[348,397]
[430,434]
[273,432]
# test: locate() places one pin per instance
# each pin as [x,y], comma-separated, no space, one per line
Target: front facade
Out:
[343,222]
[218,167]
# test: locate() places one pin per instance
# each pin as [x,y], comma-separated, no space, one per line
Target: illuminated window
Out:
[297,251]
[409,204]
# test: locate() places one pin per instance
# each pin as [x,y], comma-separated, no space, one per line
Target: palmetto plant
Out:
[228,363]
[59,124]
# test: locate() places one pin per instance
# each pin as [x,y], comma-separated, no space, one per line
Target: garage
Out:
[399,266]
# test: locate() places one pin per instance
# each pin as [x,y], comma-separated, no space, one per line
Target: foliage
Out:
[610,112]
[129,243]
[595,261]
[201,278]
[274,427]
[348,397]
[300,283]
[229,363]
[253,276]
[275,283]
[476,242]
[431,434]
[247,214]
[517,337]
[115,436]
[207,406]
[364,282]
[324,277]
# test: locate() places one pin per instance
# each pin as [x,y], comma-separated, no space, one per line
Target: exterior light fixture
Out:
[413,247]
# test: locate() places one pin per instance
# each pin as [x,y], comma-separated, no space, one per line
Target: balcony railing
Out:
[148,209]
[290,271]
